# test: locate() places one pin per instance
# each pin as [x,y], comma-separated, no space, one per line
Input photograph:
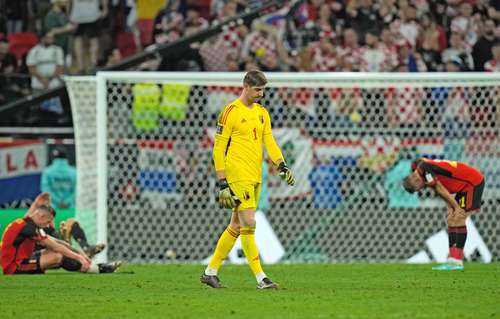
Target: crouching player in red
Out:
[17,248]
[446,178]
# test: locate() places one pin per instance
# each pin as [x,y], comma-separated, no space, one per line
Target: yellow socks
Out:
[250,249]
[224,246]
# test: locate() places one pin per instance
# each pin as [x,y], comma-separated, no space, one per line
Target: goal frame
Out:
[278,79]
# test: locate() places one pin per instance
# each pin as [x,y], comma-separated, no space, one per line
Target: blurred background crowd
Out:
[42,40]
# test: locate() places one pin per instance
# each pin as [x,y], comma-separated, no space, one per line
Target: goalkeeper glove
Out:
[226,199]
[286,174]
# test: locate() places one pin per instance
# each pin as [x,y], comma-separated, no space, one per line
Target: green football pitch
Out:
[307,291]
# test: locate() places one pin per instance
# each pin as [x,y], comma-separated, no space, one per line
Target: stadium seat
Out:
[20,43]
[146,30]
[126,43]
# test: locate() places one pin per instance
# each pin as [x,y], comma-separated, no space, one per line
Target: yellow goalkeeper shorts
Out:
[248,193]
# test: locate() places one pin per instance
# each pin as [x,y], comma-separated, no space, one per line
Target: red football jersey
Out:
[18,242]
[455,176]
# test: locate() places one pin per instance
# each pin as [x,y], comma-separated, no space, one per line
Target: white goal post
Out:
[143,149]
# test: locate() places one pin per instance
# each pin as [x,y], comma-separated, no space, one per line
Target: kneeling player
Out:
[17,250]
[446,177]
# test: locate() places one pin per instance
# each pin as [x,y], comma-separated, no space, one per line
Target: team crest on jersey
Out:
[219,129]
[261,118]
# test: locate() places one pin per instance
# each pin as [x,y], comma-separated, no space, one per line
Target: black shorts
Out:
[91,30]
[30,265]
[471,200]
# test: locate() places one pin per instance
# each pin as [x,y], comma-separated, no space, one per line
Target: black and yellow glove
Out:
[286,174]
[226,198]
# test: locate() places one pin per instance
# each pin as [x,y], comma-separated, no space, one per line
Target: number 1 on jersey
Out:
[255,133]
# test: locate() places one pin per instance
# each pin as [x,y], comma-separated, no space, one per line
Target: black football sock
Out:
[452,236]
[79,235]
[461,236]
[70,264]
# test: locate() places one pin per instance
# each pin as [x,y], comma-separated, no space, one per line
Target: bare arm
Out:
[444,194]
[70,27]
[53,245]
[58,72]
[61,242]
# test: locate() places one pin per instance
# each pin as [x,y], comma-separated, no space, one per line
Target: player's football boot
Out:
[65,231]
[267,283]
[107,268]
[448,267]
[212,281]
[93,250]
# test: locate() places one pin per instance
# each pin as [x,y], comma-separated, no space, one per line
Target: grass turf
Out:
[307,291]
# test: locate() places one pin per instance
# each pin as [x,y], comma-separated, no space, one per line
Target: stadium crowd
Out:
[41,40]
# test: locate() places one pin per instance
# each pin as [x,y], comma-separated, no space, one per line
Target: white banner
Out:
[22,160]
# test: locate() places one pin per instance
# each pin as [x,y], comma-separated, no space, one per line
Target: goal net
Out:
[144,144]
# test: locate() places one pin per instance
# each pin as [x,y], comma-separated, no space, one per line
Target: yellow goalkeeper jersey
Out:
[241,132]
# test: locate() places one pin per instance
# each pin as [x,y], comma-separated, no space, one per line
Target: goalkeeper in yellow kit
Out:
[242,127]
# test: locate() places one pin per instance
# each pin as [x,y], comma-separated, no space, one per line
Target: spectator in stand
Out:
[8,62]
[168,23]
[458,51]
[114,56]
[388,45]
[406,28]
[217,7]
[225,46]
[56,21]
[452,9]
[87,14]
[338,16]
[493,65]
[482,9]
[324,57]
[45,62]
[433,42]
[301,61]
[364,16]
[263,44]
[8,66]
[313,9]
[350,51]
[192,24]
[124,19]
[17,14]
[411,59]
[481,52]
[388,11]
[467,25]
[249,65]
[325,20]
[373,56]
